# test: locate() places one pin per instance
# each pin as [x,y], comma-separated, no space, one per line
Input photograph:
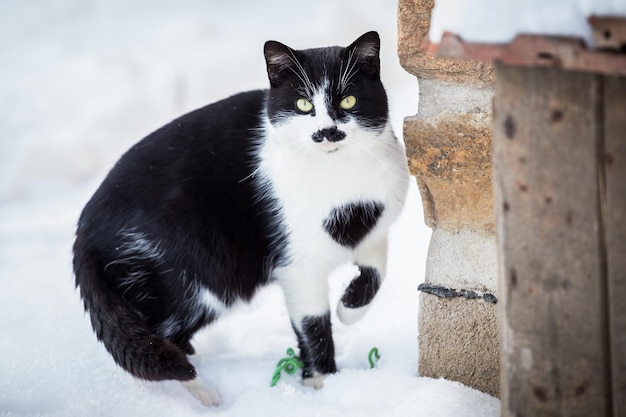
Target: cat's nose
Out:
[331,134]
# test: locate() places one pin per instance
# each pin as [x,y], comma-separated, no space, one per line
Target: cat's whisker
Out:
[348,73]
[303,76]
[249,176]
[369,151]
[396,151]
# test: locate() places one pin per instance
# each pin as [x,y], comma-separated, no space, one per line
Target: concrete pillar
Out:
[449,146]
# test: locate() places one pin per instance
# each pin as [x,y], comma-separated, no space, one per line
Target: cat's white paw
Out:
[350,315]
[207,395]
[316,381]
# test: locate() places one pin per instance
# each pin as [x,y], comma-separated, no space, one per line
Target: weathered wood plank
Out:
[553,277]
[615,162]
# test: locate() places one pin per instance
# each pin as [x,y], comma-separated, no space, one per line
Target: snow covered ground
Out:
[81,81]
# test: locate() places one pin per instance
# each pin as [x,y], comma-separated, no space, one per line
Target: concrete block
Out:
[464,260]
[459,340]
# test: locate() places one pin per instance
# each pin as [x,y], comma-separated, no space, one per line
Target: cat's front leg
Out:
[317,350]
[371,259]
[306,295]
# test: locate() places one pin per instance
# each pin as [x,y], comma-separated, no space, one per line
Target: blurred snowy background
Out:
[81,81]
[84,79]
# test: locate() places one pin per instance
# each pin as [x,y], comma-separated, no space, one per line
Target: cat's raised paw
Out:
[205,394]
[349,315]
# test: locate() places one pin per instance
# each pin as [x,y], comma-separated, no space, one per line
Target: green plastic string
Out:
[290,364]
[373,357]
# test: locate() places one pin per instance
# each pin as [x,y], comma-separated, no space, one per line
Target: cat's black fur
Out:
[188,186]
[189,220]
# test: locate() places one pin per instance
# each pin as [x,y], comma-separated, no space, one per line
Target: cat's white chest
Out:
[310,184]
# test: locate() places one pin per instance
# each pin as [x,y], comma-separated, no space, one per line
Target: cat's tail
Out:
[121,328]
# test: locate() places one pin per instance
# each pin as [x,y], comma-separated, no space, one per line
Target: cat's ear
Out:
[278,58]
[366,49]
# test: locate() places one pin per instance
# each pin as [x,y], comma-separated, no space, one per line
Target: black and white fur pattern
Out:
[240,193]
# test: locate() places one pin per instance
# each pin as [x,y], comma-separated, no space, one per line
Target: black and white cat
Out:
[276,185]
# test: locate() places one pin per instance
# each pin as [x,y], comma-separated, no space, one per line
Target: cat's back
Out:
[219,135]
[206,152]
[192,174]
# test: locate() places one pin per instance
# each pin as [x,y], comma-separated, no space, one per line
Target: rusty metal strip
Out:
[533,50]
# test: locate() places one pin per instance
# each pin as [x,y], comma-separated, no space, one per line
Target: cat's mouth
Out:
[329,147]
[328,138]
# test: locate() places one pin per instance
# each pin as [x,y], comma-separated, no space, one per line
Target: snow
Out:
[82,80]
[497,21]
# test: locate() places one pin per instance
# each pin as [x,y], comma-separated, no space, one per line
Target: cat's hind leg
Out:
[372,262]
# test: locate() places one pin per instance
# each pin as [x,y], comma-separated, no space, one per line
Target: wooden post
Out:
[615,160]
[560,200]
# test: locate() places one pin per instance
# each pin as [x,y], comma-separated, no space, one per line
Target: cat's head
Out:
[325,98]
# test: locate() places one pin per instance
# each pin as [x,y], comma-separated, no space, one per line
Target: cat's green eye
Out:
[348,102]
[304,105]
